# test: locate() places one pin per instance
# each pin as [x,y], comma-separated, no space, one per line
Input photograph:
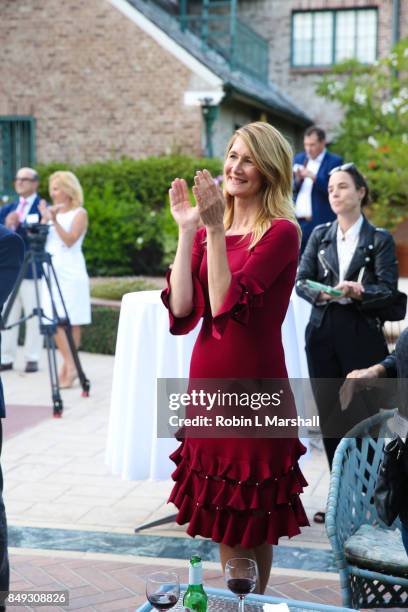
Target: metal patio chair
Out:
[371,559]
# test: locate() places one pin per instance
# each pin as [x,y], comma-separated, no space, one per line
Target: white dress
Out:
[70,269]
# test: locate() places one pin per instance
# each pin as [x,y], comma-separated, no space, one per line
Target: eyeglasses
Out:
[341,168]
[24,179]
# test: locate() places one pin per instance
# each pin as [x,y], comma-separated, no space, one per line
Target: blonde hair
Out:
[272,156]
[69,184]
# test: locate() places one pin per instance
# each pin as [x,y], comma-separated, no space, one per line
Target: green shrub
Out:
[100,336]
[130,228]
[374,130]
[115,289]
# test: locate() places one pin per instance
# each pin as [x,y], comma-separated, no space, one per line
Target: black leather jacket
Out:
[374,262]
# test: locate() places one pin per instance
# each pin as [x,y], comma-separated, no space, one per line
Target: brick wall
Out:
[98,86]
[272,19]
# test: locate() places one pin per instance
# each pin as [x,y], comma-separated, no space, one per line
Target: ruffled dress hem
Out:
[238,503]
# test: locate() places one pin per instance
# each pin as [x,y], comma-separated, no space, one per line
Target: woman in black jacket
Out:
[345,333]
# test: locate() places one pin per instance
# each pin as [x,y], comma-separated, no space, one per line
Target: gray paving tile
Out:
[71,452]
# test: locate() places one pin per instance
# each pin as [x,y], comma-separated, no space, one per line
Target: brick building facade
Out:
[87,80]
[90,80]
[98,86]
[273,19]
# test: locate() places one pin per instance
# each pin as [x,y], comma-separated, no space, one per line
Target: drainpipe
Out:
[396,13]
[233,34]
[205,25]
[183,14]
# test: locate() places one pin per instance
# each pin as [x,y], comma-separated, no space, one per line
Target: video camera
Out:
[36,235]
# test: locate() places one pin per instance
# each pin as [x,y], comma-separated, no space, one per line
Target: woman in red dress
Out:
[237,273]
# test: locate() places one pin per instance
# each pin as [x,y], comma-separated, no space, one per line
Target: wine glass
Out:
[163,590]
[241,575]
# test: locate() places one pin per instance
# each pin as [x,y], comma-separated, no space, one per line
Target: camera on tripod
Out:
[39,261]
[37,235]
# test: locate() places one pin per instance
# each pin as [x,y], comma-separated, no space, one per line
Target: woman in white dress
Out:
[68,222]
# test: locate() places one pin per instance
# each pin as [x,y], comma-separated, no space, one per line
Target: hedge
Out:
[115,288]
[130,230]
[100,336]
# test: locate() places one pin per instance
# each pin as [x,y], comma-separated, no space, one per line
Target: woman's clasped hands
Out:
[49,213]
[209,199]
[185,215]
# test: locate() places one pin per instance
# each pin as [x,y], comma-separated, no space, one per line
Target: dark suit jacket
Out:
[11,259]
[321,211]
[396,363]
[21,231]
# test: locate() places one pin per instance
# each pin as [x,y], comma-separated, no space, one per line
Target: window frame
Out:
[7,169]
[334,12]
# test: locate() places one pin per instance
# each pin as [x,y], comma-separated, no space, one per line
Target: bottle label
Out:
[195,574]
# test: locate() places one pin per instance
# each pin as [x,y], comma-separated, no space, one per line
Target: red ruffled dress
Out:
[241,492]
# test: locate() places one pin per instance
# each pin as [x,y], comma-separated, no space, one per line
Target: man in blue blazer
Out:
[14,216]
[311,170]
[11,259]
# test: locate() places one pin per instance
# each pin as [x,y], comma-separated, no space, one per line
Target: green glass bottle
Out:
[195,598]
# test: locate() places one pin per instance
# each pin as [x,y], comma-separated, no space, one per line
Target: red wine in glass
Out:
[163,590]
[241,575]
[241,586]
[162,601]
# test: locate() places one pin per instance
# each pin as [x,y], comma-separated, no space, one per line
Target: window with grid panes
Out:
[322,38]
[17,148]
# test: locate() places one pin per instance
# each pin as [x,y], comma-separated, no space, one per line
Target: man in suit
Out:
[14,216]
[311,171]
[11,259]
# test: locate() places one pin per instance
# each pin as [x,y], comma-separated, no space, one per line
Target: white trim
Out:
[196,98]
[165,41]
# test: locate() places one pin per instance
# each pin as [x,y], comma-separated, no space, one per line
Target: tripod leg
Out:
[85,384]
[48,332]
[52,366]
[31,259]
[51,278]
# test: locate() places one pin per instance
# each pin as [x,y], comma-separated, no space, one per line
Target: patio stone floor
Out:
[71,522]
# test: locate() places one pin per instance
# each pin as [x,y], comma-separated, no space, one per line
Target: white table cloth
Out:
[145,351]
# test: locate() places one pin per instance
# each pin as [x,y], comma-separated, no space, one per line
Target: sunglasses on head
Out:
[341,168]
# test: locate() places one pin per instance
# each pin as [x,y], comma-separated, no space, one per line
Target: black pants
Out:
[345,341]
[4,562]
